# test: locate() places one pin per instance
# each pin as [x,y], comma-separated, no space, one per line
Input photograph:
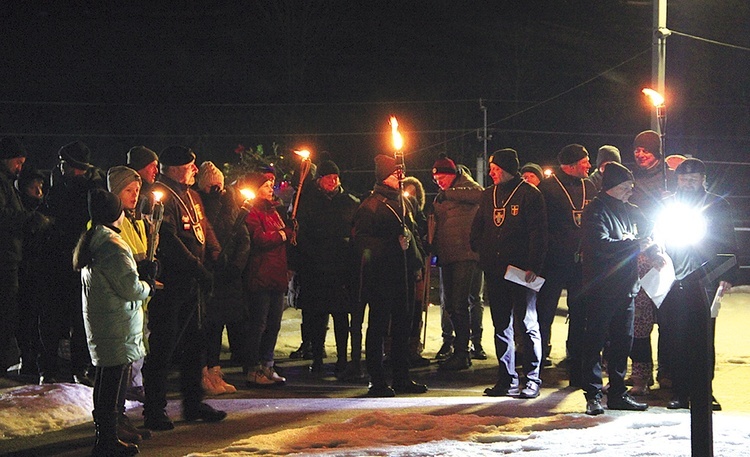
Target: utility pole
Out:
[659,54]
[484,137]
[701,421]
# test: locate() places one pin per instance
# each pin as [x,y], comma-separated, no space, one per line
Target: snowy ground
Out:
[313,417]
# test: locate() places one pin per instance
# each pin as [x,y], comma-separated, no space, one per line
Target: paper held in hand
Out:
[518,276]
[656,283]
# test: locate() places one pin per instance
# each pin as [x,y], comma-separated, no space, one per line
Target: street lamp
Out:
[661,115]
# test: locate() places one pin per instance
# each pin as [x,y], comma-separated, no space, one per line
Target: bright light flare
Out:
[248,194]
[158,195]
[406,193]
[656,98]
[547,172]
[680,225]
[398,140]
[304,153]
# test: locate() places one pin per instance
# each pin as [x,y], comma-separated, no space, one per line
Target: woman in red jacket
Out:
[266,281]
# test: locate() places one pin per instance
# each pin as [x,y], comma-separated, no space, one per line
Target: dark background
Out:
[327,74]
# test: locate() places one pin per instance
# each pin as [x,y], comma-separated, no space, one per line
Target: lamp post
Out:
[661,115]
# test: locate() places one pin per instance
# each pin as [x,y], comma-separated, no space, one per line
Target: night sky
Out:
[328,74]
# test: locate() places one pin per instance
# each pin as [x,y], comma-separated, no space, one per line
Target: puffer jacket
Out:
[112,300]
[453,217]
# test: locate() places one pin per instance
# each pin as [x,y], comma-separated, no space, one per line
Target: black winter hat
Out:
[614,174]
[533,168]
[27,175]
[571,154]
[507,159]
[650,141]
[11,147]
[174,156]
[328,167]
[104,207]
[691,165]
[76,154]
[385,165]
[140,156]
[608,153]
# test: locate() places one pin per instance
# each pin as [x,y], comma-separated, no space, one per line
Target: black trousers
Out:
[388,306]
[62,317]
[683,330]
[607,319]
[317,325]
[173,320]
[110,384]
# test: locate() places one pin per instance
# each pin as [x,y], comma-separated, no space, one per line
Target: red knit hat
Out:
[444,165]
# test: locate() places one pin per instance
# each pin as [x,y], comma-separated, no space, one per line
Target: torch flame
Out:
[656,98]
[157,195]
[248,194]
[398,140]
[304,153]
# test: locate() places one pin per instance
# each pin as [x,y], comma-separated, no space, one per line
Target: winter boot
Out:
[217,376]
[415,353]
[127,432]
[107,443]
[207,382]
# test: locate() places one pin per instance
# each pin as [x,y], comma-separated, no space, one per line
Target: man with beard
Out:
[186,243]
[683,313]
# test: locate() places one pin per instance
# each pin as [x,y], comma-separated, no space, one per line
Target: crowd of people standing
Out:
[160,253]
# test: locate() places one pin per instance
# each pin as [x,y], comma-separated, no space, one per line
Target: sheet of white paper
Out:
[716,304]
[656,283]
[518,276]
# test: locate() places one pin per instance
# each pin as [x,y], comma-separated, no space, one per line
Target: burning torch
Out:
[304,170]
[156,217]
[661,115]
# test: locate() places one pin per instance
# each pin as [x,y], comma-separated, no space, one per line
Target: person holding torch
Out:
[386,243]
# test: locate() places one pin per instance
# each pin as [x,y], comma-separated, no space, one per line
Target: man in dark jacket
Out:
[324,262]
[454,210]
[186,243]
[389,255]
[510,229]
[614,233]
[566,193]
[684,312]
[62,315]
[15,221]
[146,163]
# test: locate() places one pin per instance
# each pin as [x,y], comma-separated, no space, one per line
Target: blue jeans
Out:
[266,308]
[504,297]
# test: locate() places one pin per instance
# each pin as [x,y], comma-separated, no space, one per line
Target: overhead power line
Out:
[706,40]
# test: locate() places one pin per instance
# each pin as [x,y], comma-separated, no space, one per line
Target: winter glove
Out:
[148,270]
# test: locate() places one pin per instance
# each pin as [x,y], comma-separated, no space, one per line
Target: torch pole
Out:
[661,116]
[157,217]
[304,170]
